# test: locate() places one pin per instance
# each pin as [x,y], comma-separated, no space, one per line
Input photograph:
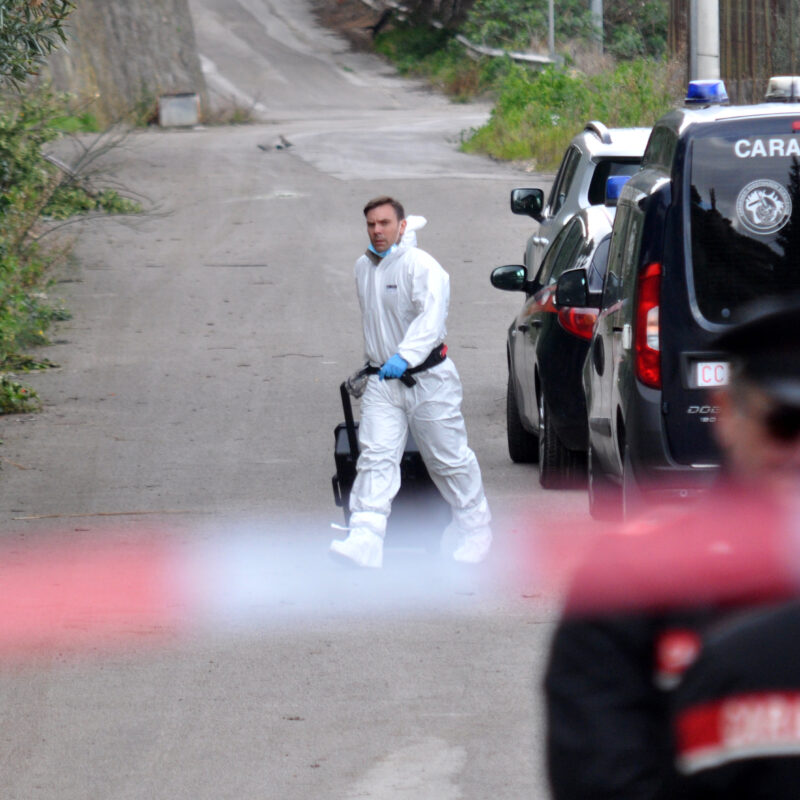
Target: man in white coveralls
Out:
[404,296]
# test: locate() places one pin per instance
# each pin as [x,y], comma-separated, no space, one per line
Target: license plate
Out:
[711,373]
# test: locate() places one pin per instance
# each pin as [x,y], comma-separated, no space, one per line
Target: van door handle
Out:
[598,356]
[522,328]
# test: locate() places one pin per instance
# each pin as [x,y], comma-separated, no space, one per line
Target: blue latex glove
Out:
[393,368]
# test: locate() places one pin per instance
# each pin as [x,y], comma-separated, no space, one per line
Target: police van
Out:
[710,222]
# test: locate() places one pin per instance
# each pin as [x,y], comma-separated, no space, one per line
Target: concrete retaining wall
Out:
[126,53]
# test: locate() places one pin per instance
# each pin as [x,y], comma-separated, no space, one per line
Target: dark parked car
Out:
[548,342]
[711,222]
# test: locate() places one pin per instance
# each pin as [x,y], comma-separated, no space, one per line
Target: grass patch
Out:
[536,114]
[76,123]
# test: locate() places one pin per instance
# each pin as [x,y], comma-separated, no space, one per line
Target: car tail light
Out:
[647,339]
[578,321]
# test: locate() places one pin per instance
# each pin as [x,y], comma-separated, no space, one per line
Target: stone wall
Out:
[126,53]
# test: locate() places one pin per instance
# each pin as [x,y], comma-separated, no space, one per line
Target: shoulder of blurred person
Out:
[737,712]
[607,684]
[732,546]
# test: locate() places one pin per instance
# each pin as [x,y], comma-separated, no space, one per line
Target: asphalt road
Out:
[195,403]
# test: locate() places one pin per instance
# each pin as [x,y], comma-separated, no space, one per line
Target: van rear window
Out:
[744,217]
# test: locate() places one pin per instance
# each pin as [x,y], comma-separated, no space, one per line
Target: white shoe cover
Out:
[474,547]
[362,548]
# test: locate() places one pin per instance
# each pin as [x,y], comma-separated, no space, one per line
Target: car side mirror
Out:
[528,202]
[510,278]
[572,290]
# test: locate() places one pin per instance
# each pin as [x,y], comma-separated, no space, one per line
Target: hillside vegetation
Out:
[538,109]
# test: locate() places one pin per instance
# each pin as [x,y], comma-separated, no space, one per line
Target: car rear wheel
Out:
[523,446]
[605,496]
[559,467]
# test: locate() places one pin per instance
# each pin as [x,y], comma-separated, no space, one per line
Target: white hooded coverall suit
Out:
[404,300]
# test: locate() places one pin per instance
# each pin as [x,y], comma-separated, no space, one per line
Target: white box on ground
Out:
[178,110]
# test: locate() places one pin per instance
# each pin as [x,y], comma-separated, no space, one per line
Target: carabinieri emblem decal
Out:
[764,207]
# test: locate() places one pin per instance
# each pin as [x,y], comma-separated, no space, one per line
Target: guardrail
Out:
[493,52]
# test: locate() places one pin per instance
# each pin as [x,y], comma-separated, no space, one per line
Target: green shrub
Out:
[29,30]
[33,190]
[537,113]
[438,57]
[407,46]
[69,199]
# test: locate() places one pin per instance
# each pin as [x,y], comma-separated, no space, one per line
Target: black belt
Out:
[435,357]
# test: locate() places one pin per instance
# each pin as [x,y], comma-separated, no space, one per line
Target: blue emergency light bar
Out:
[706,93]
[614,188]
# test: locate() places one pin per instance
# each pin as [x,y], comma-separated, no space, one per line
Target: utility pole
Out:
[551,30]
[704,39]
[597,21]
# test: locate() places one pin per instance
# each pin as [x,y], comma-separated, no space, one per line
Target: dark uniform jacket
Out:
[607,687]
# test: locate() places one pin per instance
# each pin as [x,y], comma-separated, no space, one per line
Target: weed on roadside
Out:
[234,113]
[15,398]
[37,193]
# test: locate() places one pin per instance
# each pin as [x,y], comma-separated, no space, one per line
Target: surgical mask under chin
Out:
[382,253]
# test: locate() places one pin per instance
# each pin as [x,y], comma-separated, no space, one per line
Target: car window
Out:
[613,277]
[605,169]
[564,241]
[568,252]
[596,270]
[564,180]
[661,148]
[550,256]
[630,260]
[744,215]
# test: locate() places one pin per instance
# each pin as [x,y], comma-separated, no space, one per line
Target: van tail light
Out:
[578,321]
[647,338]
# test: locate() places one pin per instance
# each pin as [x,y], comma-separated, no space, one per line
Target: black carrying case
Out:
[419,512]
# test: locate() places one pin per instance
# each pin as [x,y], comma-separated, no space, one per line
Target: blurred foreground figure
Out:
[737,720]
[638,606]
